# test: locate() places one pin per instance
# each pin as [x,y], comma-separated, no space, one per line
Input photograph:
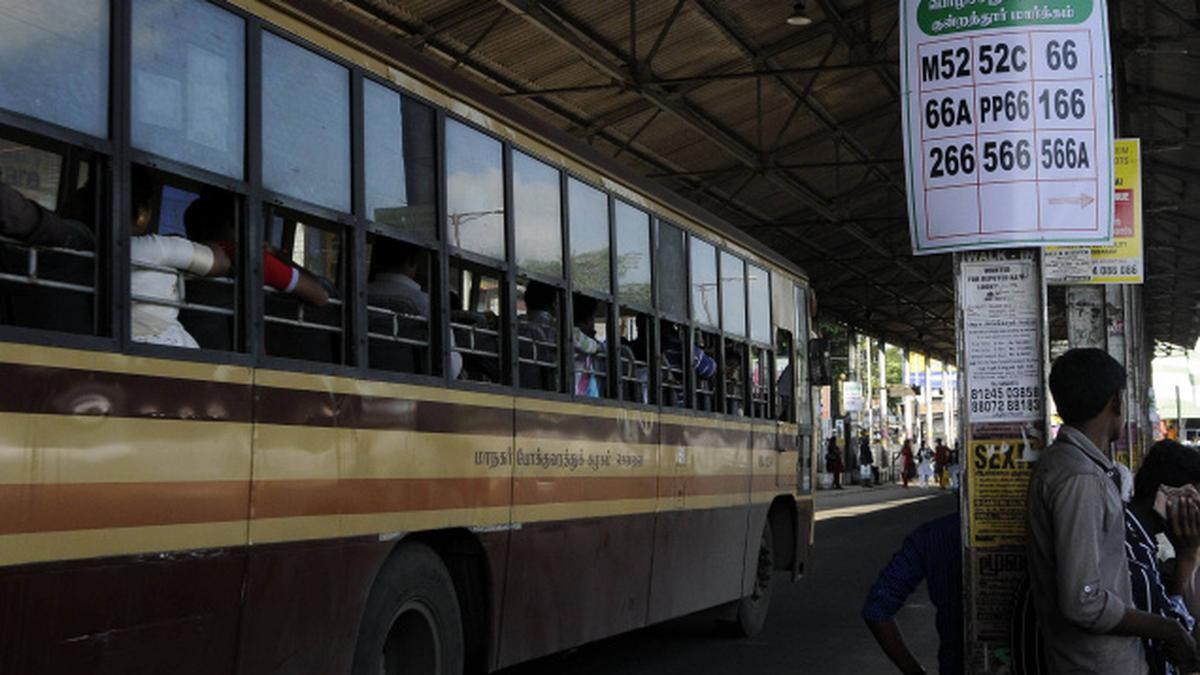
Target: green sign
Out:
[944,17]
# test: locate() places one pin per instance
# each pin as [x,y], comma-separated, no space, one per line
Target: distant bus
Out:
[528,399]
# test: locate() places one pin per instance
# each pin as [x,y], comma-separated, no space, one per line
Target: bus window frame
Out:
[114,155]
[105,336]
[194,177]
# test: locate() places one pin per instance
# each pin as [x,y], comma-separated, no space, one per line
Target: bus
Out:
[320,358]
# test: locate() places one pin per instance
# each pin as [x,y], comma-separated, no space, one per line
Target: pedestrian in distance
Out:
[1078,570]
[833,462]
[941,463]
[931,553]
[866,460]
[908,466]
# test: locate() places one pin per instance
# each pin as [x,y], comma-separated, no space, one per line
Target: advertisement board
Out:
[1123,262]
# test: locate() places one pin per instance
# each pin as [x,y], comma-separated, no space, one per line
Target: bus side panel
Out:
[699,548]
[583,502]
[123,502]
[169,613]
[303,604]
[573,582]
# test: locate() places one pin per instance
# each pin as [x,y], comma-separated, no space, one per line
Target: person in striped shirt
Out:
[1168,465]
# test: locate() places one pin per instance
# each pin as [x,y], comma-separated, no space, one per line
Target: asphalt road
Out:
[814,625]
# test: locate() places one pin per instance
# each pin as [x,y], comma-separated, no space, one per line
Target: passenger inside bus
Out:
[589,351]
[394,286]
[635,355]
[704,365]
[27,221]
[734,384]
[537,331]
[155,282]
[211,219]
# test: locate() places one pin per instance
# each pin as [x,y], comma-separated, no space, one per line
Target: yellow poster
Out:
[998,472]
[1123,262]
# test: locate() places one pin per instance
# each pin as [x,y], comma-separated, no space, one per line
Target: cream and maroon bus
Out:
[536,400]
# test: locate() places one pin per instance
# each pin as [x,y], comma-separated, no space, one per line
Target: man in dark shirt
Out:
[932,552]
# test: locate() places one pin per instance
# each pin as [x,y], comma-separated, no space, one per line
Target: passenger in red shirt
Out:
[209,219]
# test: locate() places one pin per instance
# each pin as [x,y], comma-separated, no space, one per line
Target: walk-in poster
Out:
[1007,112]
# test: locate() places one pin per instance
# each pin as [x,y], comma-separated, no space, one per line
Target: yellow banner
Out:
[998,472]
[1123,262]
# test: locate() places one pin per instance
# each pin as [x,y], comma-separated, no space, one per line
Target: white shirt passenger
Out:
[154,322]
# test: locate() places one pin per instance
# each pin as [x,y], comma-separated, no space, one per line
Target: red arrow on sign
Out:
[1082,200]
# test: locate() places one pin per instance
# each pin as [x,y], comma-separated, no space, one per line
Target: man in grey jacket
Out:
[1076,545]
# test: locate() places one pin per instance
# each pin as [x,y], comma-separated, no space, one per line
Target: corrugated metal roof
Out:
[776,178]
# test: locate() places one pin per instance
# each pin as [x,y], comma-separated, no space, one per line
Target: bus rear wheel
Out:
[752,609]
[411,624]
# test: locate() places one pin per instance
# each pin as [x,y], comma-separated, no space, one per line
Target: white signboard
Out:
[1002,339]
[852,397]
[1007,113]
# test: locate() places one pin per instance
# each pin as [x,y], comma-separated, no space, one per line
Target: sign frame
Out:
[991,204]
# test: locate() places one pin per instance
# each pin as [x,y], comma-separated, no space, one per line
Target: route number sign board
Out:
[1008,123]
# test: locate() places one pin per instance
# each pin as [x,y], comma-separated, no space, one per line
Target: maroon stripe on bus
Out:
[58,507]
[45,390]
[294,498]
[764,483]
[326,409]
[711,437]
[593,428]
[715,485]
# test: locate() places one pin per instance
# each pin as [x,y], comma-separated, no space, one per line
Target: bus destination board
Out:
[1008,123]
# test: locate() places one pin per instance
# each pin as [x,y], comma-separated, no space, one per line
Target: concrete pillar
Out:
[927,394]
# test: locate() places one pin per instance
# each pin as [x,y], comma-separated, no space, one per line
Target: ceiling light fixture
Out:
[799,16]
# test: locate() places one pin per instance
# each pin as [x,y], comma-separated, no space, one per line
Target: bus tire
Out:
[411,624]
[752,609]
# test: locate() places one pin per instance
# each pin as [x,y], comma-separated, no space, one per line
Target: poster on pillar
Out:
[997,481]
[1007,113]
[1121,263]
[1000,294]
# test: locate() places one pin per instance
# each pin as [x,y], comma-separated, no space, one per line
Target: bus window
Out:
[306,124]
[673,366]
[537,216]
[398,306]
[474,191]
[302,287]
[588,213]
[589,339]
[704,284]
[634,366]
[633,255]
[785,385]
[733,379]
[477,335]
[539,336]
[182,279]
[759,286]
[733,294]
[709,344]
[55,66]
[48,215]
[188,89]
[761,366]
[400,158]
[671,265]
